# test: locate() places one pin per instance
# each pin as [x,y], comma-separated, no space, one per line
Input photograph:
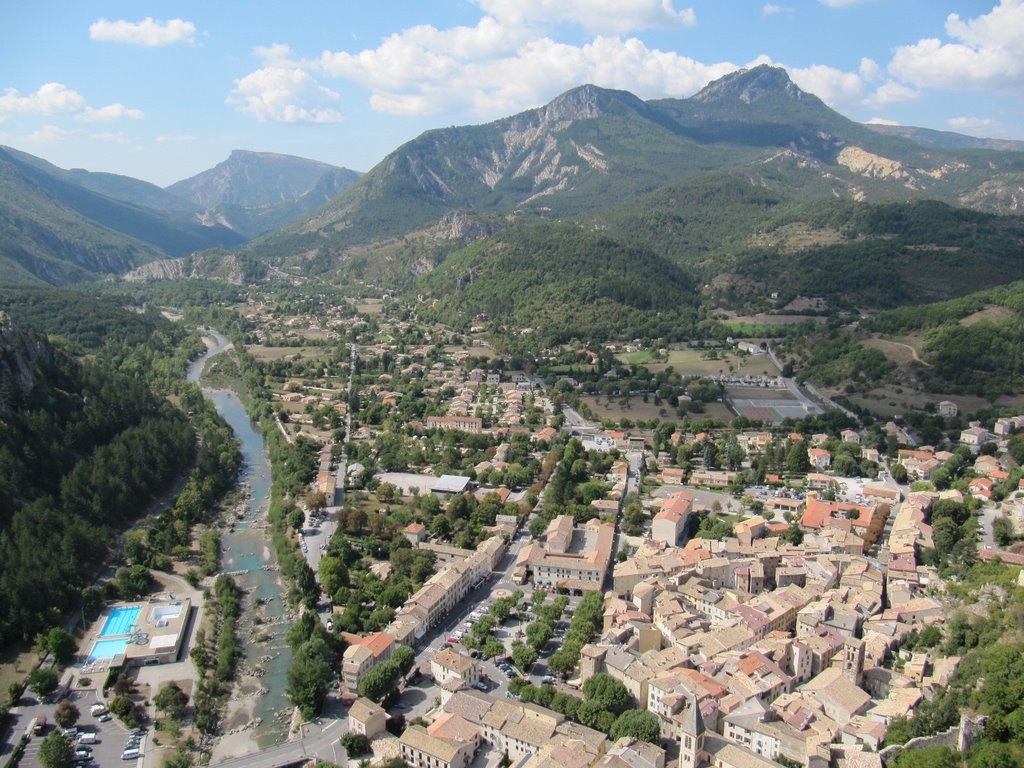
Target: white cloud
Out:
[596,16]
[48,133]
[989,52]
[770,9]
[148,32]
[881,121]
[869,69]
[833,86]
[49,99]
[283,91]
[108,113]
[485,72]
[891,92]
[56,99]
[970,123]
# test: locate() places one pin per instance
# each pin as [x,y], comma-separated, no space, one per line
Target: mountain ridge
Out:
[592,147]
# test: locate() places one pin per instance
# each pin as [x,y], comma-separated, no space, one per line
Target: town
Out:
[578,561]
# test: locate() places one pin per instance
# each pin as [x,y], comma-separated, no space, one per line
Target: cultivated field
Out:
[266,354]
[370,307]
[473,351]
[638,410]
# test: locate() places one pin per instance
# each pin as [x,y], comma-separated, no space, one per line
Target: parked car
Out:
[453,640]
[548,680]
[480,685]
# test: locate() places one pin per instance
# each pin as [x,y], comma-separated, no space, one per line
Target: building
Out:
[450,485]
[974,438]
[363,654]
[366,718]
[415,533]
[444,590]
[579,562]
[449,664]
[138,634]
[449,742]
[470,424]
[670,523]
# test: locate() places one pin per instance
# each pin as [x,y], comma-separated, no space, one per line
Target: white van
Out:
[131,754]
[87,738]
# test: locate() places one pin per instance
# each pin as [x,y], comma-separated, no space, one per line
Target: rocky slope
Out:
[593,148]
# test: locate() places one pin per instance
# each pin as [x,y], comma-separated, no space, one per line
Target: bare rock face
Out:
[21,356]
[161,269]
[462,225]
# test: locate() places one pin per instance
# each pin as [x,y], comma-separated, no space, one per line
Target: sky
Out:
[163,90]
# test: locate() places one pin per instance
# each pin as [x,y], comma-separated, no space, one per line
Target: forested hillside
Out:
[88,440]
[974,343]
[563,281]
[107,444]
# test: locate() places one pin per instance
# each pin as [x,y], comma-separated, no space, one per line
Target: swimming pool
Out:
[107,649]
[119,622]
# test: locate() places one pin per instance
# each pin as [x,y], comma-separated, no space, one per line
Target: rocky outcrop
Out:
[161,269]
[462,225]
[865,163]
[22,358]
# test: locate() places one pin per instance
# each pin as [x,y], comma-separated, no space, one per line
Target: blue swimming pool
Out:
[119,622]
[107,649]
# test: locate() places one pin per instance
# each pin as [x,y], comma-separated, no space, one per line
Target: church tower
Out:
[853,660]
[691,746]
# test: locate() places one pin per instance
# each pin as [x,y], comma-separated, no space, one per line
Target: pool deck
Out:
[156,637]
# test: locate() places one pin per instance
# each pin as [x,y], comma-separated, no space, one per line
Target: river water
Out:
[246,553]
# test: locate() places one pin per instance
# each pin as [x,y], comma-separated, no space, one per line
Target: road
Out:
[319,740]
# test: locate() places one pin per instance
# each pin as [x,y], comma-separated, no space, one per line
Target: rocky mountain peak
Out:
[751,85]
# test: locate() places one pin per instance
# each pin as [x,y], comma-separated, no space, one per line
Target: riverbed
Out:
[259,712]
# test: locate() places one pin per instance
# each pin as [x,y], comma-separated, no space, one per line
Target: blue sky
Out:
[161,90]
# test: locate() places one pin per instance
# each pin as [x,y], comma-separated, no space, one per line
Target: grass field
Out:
[887,402]
[691,362]
[991,313]
[15,664]
[370,307]
[897,351]
[638,358]
[266,354]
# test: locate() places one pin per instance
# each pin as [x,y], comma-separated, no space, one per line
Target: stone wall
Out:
[958,738]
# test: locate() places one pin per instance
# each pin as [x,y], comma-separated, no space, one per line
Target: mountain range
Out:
[64,226]
[750,188]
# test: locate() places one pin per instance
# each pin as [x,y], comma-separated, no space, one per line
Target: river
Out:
[246,553]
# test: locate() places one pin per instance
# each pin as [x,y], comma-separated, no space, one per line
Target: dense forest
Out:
[82,447]
[89,438]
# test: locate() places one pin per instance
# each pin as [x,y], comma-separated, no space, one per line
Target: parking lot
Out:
[110,736]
